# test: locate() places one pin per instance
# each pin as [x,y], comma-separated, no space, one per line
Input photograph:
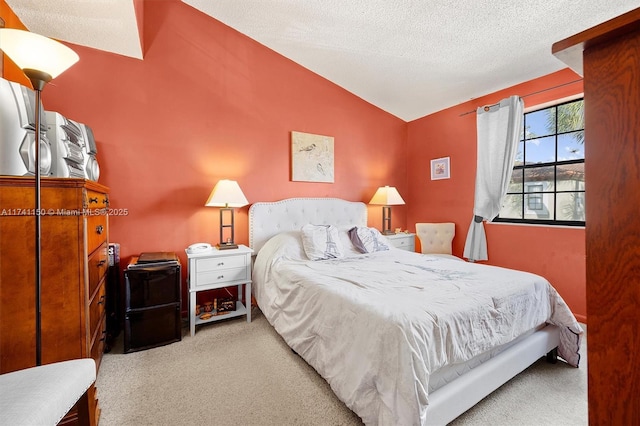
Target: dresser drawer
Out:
[97,265]
[96,309]
[96,231]
[97,347]
[96,200]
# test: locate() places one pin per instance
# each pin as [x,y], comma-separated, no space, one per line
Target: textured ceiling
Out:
[108,25]
[408,57]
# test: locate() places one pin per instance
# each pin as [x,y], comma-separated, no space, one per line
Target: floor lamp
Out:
[41,59]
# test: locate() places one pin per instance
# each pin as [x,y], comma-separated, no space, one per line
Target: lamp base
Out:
[226,246]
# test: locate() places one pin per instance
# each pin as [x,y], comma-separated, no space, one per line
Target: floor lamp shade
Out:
[227,195]
[386,196]
[31,51]
[41,59]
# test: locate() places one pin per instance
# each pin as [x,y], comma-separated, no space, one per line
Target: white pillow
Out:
[287,245]
[348,247]
[321,242]
[367,240]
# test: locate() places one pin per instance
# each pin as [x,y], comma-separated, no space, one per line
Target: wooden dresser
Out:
[74,241]
[609,56]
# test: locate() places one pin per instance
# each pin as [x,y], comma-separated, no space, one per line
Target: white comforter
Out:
[375,326]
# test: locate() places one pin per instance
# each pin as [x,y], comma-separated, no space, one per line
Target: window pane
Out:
[515,185]
[570,177]
[542,150]
[512,207]
[571,116]
[540,123]
[520,154]
[571,146]
[534,202]
[538,206]
[570,206]
[537,187]
[539,176]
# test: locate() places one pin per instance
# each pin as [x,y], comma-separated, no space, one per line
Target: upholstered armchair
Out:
[436,238]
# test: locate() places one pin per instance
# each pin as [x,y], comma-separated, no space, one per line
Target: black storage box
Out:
[153,300]
[149,328]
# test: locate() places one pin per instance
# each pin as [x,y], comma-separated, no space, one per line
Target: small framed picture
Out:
[440,168]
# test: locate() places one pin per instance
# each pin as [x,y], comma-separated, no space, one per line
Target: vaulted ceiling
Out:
[408,57]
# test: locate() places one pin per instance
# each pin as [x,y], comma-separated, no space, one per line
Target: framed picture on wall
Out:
[440,168]
[311,157]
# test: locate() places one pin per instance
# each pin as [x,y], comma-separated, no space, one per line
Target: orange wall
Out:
[209,103]
[9,70]
[557,254]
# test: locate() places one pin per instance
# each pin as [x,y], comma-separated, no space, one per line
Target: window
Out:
[534,202]
[547,185]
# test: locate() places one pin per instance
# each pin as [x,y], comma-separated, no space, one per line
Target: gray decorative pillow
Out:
[321,242]
[367,240]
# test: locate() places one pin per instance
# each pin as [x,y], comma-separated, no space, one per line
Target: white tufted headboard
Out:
[267,219]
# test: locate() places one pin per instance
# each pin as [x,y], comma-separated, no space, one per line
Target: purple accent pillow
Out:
[355,240]
[367,240]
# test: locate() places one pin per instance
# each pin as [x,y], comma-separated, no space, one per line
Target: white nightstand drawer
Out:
[221,276]
[220,263]
[403,241]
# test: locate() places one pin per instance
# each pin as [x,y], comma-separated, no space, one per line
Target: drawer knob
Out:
[101,301]
[99,229]
[221,264]
[101,263]
[93,200]
[220,277]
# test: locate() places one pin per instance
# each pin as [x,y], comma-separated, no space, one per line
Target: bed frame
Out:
[267,219]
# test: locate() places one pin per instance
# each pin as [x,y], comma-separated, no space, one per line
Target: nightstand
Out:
[403,241]
[217,269]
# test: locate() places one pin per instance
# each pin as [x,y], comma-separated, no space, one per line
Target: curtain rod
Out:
[527,95]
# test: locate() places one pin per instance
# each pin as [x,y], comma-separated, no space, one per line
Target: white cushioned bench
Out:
[43,395]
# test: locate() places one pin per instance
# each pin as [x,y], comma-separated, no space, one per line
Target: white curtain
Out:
[499,127]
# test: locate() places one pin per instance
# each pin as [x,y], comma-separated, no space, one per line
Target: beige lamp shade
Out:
[387,196]
[31,51]
[226,193]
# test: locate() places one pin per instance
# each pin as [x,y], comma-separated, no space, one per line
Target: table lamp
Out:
[386,196]
[227,195]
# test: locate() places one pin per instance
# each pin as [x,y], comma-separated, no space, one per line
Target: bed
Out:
[402,338]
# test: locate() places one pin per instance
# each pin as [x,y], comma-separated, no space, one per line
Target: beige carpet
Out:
[239,373]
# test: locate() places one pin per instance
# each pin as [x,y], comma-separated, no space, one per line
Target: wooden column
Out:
[608,56]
